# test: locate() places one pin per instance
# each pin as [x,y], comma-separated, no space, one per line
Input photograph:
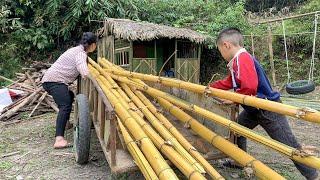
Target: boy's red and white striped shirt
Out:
[68,66]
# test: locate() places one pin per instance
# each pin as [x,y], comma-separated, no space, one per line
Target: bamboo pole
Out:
[289,17]
[262,171]
[312,116]
[137,155]
[162,130]
[164,146]
[159,165]
[292,153]
[192,150]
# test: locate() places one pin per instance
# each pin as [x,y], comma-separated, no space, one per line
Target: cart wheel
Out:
[82,130]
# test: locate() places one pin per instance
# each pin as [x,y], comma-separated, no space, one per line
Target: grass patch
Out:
[5,165]
[50,130]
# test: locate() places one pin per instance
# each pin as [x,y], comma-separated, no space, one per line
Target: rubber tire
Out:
[292,88]
[82,130]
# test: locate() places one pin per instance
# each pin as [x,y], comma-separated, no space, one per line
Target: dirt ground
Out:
[35,158]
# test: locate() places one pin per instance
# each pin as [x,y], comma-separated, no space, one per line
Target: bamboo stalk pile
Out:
[149,134]
[34,101]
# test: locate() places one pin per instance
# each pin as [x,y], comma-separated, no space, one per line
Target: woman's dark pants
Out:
[63,97]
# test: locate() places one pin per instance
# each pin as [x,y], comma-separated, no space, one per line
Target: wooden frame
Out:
[104,120]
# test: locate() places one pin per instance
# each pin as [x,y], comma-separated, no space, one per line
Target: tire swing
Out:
[301,86]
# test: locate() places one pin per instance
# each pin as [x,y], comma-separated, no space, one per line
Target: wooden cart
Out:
[93,109]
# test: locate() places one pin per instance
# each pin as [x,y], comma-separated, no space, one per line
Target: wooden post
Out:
[102,121]
[233,117]
[155,49]
[271,56]
[131,56]
[113,139]
[252,44]
[95,105]
[175,57]
[197,80]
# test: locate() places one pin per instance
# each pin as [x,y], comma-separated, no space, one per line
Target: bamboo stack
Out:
[302,113]
[146,139]
[128,88]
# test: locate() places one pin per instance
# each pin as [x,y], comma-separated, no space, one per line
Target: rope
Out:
[285,49]
[313,47]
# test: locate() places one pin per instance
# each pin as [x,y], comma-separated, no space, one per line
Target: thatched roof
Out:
[145,31]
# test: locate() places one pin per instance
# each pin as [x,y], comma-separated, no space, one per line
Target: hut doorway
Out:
[150,56]
[165,50]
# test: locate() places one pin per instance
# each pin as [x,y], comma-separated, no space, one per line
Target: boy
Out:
[247,77]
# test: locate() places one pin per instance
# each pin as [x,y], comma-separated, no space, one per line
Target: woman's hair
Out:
[87,39]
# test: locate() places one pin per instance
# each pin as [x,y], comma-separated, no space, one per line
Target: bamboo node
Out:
[303,111]
[214,138]
[163,171]
[207,91]
[192,173]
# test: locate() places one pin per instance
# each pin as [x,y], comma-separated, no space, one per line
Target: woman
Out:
[62,73]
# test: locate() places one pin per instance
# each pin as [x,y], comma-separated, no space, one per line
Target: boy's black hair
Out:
[87,39]
[232,35]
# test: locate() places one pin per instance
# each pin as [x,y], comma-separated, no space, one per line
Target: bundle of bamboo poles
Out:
[292,153]
[147,132]
[302,113]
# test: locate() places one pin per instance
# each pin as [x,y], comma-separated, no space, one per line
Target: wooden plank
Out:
[95,105]
[271,57]
[101,117]
[197,76]
[106,135]
[233,117]
[122,49]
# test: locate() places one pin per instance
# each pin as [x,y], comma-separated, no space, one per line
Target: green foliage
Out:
[39,29]
[208,17]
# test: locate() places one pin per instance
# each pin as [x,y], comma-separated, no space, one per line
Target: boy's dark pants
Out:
[64,99]
[276,125]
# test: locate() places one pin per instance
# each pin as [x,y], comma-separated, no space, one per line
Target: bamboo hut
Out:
[152,48]
[174,52]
